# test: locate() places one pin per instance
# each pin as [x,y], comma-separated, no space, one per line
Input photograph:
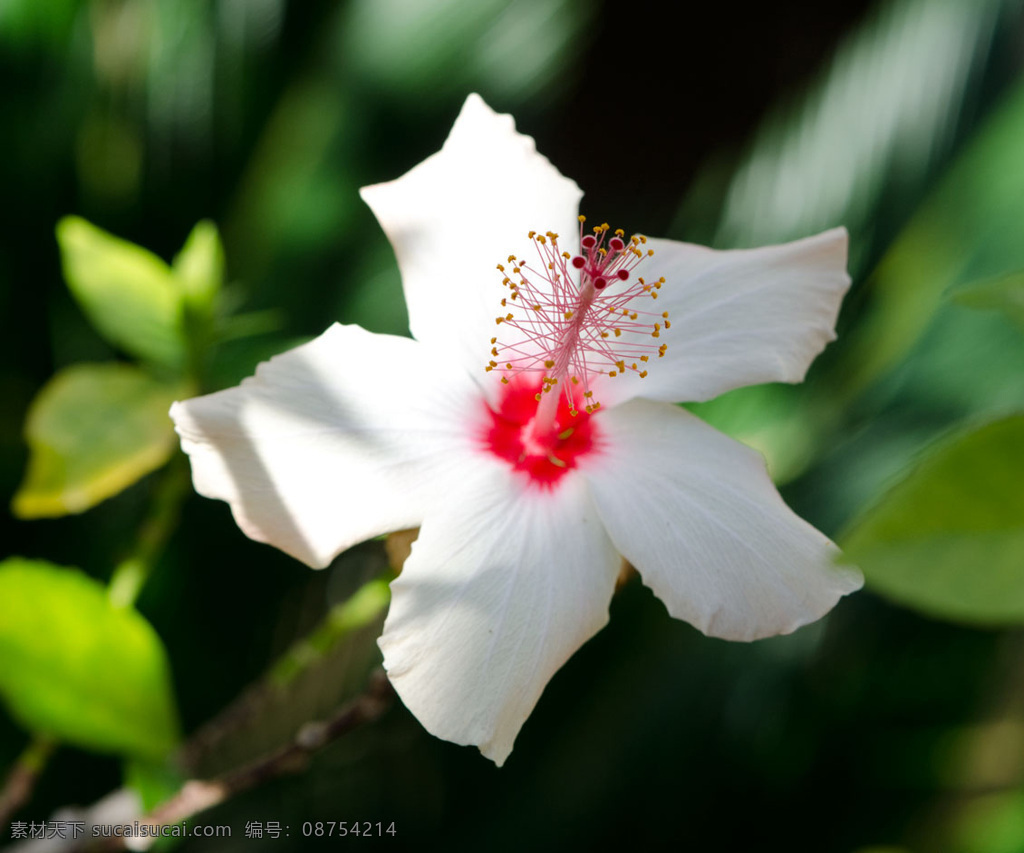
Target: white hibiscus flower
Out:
[537,451]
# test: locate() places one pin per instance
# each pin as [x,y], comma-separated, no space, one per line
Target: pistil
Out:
[570,318]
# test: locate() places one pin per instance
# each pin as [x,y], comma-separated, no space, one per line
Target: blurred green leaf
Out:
[1004,293]
[128,293]
[992,823]
[774,419]
[877,123]
[325,668]
[93,430]
[969,229]
[199,267]
[76,668]
[435,50]
[154,781]
[949,538]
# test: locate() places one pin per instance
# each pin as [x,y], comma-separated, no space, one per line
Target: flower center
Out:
[544,453]
[569,318]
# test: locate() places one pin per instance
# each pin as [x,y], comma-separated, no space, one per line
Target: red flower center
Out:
[547,455]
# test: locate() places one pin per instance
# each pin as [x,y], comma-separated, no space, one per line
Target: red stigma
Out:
[545,459]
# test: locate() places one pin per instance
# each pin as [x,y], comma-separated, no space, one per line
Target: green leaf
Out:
[93,430]
[776,420]
[199,267]
[969,230]
[1004,293]
[128,293]
[949,538]
[154,781]
[865,132]
[75,667]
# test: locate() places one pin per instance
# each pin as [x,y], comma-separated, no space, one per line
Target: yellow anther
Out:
[565,433]
[551,266]
[494,350]
[643,374]
[504,380]
[506,281]
[499,320]
[542,240]
[568,315]
[604,334]
[664,314]
[575,380]
[633,365]
[536,397]
[612,373]
[654,296]
[549,364]
[619,232]
[501,268]
[554,460]
[488,369]
[582,218]
[618,332]
[668,324]
[536,307]
[508,365]
[508,316]
[655,334]
[644,358]
[621,365]
[515,270]
[588,394]
[633,316]
[503,303]
[602,252]
[494,340]
[643,239]
[515,294]
[650,253]
[566,255]
[511,259]
[532,234]
[551,235]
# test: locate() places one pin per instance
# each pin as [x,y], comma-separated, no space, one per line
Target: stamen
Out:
[582,310]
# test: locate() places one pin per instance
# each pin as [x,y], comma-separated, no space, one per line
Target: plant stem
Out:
[22,777]
[198,795]
[131,573]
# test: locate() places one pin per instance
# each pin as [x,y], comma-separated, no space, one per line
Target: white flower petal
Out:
[504,583]
[332,442]
[458,214]
[695,513]
[739,317]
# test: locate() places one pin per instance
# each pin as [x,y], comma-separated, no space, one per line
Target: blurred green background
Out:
[896,724]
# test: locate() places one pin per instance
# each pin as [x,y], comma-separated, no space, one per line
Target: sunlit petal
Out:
[458,214]
[739,317]
[330,443]
[505,582]
[695,513]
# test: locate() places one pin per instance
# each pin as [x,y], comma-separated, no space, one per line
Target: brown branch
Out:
[22,778]
[198,795]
